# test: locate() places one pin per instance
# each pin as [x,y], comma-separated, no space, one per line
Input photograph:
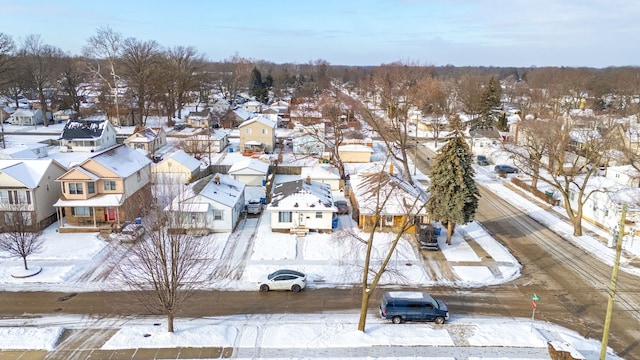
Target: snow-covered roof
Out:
[114,200]
[355,148]
[302,195]
[400,195]
[121,159]
[27,172]
[319,172]
[23,151]
[261,119]
[185,159]
[219,188]
[144,135]
[253,165]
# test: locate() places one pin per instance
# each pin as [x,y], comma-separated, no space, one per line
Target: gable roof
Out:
[260,119]
[121,160]
[185,159]
[250,164]
[302,195]
[83,129]
[401,195]
[27,172]
[225,191]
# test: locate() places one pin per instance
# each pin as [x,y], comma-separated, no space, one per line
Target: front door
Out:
[110,214]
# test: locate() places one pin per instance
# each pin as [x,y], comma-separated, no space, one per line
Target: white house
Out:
[322,174]
[300,206]
[27,117]
[251,172]
[212,204]
[25,151]
[87,136]
[624,175]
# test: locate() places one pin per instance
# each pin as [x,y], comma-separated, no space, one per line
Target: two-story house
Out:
[199,119]
[147,139]
[87,136]
[28,188]
[109,188]
[258,133]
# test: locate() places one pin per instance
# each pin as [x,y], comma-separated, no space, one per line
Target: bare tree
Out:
[105,47]
[185,63]
[396,84]
[573,155]
[384,189]
[7,59]
[167,261]
[72,76]
[140,61]
[234,77]
[42,63]
[19,237]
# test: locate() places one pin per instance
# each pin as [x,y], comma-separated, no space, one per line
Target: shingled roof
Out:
[83,129]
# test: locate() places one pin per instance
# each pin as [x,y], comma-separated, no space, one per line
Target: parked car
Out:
[284,279]
[343,207]
[179,127]
[402,306]
[507,169]
[482,160]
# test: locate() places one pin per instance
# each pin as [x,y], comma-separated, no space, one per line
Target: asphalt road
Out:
[571,283]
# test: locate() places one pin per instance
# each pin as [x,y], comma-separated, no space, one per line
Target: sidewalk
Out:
[462,338]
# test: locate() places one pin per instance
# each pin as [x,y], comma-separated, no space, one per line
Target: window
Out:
[389,219]
[284,216]
[109,185]
[91,188]
[248,131]
[318,214]
[217,215]
[264,132]
[138,175]
[82,211]
[75,188]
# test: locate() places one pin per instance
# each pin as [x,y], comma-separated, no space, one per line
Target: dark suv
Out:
[482,160]
[402,306]
[507,169]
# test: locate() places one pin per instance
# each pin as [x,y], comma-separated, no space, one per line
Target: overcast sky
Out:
[593,33]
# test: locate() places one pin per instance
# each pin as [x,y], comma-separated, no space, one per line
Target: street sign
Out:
[535,297]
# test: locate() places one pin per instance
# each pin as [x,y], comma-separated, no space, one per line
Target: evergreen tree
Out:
[453,194]
[489,101]
[258,87]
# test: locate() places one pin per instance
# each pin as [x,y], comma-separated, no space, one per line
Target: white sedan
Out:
[283,280]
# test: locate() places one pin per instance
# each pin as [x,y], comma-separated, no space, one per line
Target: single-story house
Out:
[27,117]
[251,172]
[323,174]
[300,206]
[212,204]
[355,153]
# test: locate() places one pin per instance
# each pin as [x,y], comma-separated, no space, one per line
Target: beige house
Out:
[147,139]
[178,168]
[199,119]
[355,153]
[257,134]
[27,187]
[104,191]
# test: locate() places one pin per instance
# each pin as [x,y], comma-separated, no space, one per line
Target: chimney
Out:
[308,180]
[391,168]
[217,179]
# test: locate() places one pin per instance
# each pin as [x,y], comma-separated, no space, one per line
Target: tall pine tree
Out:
[453,194]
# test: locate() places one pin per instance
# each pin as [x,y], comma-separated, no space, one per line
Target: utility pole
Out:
[612,287]
[415,150]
